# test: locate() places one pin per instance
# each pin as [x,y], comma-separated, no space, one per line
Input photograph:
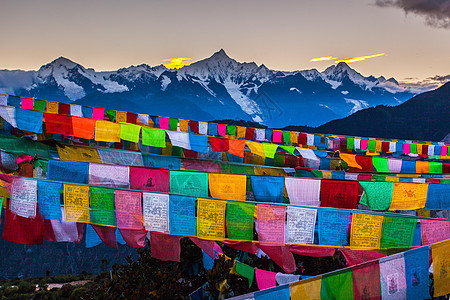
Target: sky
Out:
[282,34]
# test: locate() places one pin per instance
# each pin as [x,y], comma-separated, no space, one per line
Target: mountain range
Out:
[217,87]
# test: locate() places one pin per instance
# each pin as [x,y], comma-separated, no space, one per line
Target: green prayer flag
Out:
[435,167]
[173,124]
[317,173]
[39,105]
[177,151]
[111,114]
[41,163]
[236,169]
[25,146]
[189,183]
[287,137]
[270,150]
[371,146]
[412,148]
[350,143]
[279,160]
[102,206]
[240,220]
[130,132]
[245,271]
[377,195]
[231,129]
[398,232]
[380,164]
[289,149]
[153,137]
[1,204]
[378,178]
[338,285]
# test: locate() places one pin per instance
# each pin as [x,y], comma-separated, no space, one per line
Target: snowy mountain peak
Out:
[62,62]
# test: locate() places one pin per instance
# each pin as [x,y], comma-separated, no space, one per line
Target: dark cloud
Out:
[440,78]
[436,12]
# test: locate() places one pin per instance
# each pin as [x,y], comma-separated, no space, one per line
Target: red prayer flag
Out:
[165,247]
[366,281]
[21,230]
[250,134]
[281,256]
[131,118]
[190,153]
[365,162]
[205,245]
[385,147]
[302,139]
[355,257]
[58,124]
[243,246]
[194,126]
[219,144]
[312,251]
[149,179]
[339,193]
[64,109]
[134,238]
[107,235]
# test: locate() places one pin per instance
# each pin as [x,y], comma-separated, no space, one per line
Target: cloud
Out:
[323,58]
[440,78]
[177,62]
[436,12]
[358,58]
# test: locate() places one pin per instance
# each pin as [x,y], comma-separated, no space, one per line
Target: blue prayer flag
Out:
[438,197]
[325,163]
[161,161]
[282,292]
[87,112]
[92,238]
[29,120]
[269,134]
[182,218]
[416,273]
[333,227]
[212,128]
[199,143]
[408,166]
[268,188]
[14,101]
[49,200]
[75,172]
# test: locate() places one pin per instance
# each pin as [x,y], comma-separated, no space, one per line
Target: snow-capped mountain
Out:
[217,87]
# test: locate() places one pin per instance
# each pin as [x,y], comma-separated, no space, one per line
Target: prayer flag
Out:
[339,193]
[29,120]
[303,191]
[268,188]
[49,200]
[76,172]
[228,186]
[149,179]
[102,206]
[189,183]
[236,147]
[211,219]
[300,225]
[337,285]
[398,232]
[76,203]
[416,268]
[366,281]
[441,268]
[153,137]
[377,195]
[240,221]
[407,196]
[78,154]
[245,271]
[58,124]
[109,175]
[130,132]
[98,113]
[156,212]
[165,247]
[433,231]
[271,223]
[265,279]
[366,231]
[83,128]
[308,289]
[438,197]
[182,218]
[333,227]
[128,209]
[106,131]
[24,197]
[392,277]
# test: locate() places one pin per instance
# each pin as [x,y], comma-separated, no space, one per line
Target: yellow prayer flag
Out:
[406,196]
[79,153]
[184,125]
[350,159]
[52,107]
[121,116]
[422,167]
[308,289]
[422,212]
[168,149]
[294,137]
[211,219]
[256,148]
[366,232]
[106,131]
[378,146]
[441,268]
[228,186]
[419,149]
[240,131]
[76,203]
[392,179]
[326,174]
[269,171]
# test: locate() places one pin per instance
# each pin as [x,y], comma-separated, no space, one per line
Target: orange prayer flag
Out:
[52,107]
[236,147]
[121,116]
[350,159]
[184,125]
[83,127]
[422,166]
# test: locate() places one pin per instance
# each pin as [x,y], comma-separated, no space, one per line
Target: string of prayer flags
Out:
[58,124]
[271,223]
[227,186]
[265,279]
[128,209]
[211,219]
[333,227]
[102,206]
[153,137]
[106,131]
[240,221]
[339,193]
[377,195]
[268,188]
[303,191]
[407,196]
[109,175]
[182,218]
[29,120]
[76,203]
[156,212]
[366,231]
[441,268]
[189,183]
[397,232]
[24,197]
[300,225]
[83,127]
[130,132]
[392,277]
[416,273]
[245,271]
[337,285]
[75,172]
[49,199]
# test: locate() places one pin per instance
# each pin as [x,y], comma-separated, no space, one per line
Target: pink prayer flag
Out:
[205,166]
[277,136]
[434,231]
[265,279]
[164,123]
[107,235]
[165,247]
[444,151]
[217,248]
[271,223]
[281,256]
[205,245]
[222,129]
[406,148]
[128,209]
[312,251]
[364,144]
[98,113]
[356,257]
[28,103]
[241,245]
[134,238]
[149,179]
